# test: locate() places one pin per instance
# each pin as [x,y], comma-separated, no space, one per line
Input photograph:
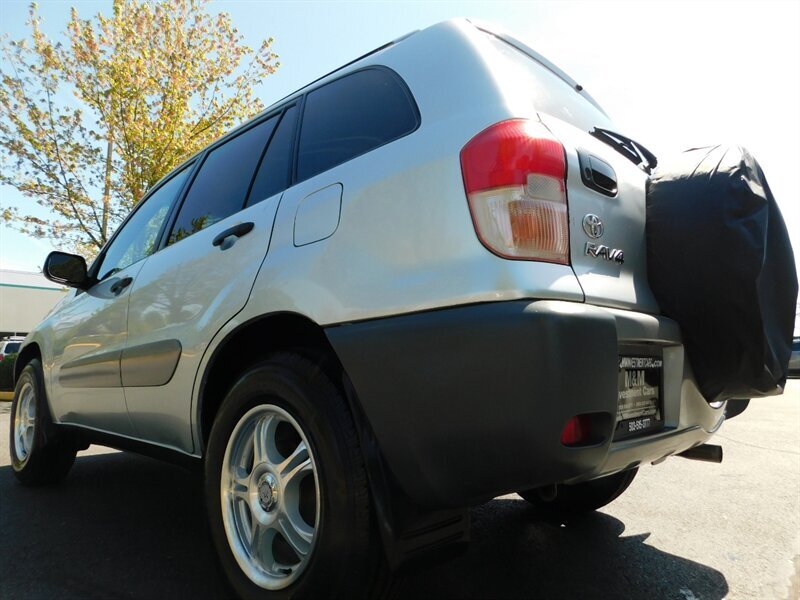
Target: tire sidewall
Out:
[32,374]
[273,383]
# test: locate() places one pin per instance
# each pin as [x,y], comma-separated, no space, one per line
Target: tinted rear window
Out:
[220,187]
[11,347]
[351,116]
[550,94]
[274,172]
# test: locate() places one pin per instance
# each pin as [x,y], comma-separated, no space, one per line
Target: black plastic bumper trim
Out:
[467,403]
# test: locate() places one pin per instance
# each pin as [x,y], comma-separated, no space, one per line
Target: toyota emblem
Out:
[593,226]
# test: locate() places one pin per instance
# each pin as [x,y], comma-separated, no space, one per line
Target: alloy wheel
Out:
[270,498]
[25,422]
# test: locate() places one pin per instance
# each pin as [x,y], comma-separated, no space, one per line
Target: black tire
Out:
[573,500]
[46,458]
[347,559]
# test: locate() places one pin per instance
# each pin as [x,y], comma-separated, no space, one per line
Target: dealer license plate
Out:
[640,407]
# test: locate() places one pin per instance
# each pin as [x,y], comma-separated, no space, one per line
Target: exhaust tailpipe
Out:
[705,452]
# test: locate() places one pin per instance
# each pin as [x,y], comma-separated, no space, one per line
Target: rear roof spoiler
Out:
[492,29]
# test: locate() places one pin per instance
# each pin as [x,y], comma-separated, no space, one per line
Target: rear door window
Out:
[351,116]
[221,185]
[275,170]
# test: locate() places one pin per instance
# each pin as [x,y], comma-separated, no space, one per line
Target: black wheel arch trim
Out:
[410,534]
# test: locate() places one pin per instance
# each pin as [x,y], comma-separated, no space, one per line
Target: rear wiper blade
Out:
[630,149]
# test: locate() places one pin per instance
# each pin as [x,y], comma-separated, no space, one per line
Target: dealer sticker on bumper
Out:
[639,403]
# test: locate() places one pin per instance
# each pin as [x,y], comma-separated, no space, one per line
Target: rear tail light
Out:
[514,174]
[577,431]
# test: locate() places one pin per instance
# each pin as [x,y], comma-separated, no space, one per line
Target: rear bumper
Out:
[468,403]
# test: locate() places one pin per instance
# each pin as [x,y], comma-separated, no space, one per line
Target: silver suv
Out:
[409,287]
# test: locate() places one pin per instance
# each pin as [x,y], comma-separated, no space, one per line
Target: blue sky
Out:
[673,74]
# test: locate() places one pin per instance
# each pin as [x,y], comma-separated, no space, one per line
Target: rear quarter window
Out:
[353,115]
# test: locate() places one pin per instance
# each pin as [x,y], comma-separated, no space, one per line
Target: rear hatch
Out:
[605,186]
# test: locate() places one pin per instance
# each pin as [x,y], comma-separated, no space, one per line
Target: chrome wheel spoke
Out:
[296,466]
[259,542]
[298,537]
[240,492]
[263,432]
[239,483]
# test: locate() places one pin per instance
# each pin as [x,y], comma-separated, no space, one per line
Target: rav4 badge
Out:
[601,251]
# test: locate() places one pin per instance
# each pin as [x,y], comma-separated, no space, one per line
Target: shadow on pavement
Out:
[514,554]
[120,526]
[123,526]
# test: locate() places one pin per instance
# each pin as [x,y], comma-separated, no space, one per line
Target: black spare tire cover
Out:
[720,263]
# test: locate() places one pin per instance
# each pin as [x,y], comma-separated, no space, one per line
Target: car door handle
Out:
[236,231]
[120,285]
[597,174]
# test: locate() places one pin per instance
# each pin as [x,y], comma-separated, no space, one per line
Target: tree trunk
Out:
[107,188]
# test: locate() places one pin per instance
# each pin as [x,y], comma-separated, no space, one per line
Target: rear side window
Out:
[221,185]
[351,116]
[275,170]
[12,347]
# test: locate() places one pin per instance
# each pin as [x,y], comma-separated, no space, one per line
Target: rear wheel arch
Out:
[339,534]
[249,344]
[285,332]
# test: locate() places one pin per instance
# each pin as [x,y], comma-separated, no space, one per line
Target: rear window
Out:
[274,172]
[220,187]
[549,93]
[351,116]
[12,347]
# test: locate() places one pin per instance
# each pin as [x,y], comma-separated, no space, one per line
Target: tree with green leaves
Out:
[87,126]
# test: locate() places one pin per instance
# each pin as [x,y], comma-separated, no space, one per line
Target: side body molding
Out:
[150,364]
[140,366]
[96,371]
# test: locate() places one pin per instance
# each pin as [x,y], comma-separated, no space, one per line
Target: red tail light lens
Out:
[577,431]
[514,174]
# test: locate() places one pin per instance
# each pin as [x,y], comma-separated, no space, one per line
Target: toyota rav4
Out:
[415,284]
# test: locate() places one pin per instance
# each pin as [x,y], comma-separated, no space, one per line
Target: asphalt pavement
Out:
[123,526]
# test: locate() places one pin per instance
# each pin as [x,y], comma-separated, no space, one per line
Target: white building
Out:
[25,298]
